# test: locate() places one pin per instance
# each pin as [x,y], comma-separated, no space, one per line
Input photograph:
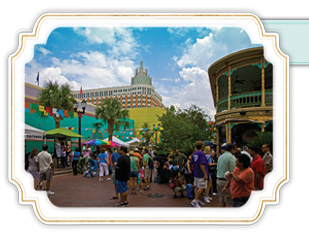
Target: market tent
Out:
[61,133]
[134,142]
[118,141]
[33,133]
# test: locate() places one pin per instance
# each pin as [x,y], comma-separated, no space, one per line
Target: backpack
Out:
[150,162]
[190,191]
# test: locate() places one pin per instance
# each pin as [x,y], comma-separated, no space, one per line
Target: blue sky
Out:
[177,59]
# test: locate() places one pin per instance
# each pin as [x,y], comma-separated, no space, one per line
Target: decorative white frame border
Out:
[49,214]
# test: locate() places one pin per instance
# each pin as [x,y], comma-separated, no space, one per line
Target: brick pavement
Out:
[79,191]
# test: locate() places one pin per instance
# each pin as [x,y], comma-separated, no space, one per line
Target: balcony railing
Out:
[243,100]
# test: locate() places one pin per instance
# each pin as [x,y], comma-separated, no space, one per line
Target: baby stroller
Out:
[92,169]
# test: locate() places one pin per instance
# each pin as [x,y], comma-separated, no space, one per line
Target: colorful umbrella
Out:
[111,144]
[95,142]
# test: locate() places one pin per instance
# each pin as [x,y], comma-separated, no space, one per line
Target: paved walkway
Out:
[79,191]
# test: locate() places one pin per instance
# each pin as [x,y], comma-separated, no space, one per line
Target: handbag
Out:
[172,185]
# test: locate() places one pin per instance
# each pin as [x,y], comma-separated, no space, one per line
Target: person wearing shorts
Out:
[147,169]
[45,165]
[200,172]
[226,163]
[122,176]
[114,160]
[134,166]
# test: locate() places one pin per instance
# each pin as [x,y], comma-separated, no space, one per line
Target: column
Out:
[263,82]
[230,133]
[218,142]
[217,89]
[230,88]
[227,132]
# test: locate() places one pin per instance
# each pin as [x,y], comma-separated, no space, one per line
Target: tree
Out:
[263,138]
[111,113]
[56,96]
[147,134]
[182,128]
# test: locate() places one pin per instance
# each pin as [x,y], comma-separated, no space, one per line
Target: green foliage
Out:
[56,96]
[147,134]
[182,128]
[263,138]
[111,113]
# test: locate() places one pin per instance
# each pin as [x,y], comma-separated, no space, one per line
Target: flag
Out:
[81,90]
[38,78]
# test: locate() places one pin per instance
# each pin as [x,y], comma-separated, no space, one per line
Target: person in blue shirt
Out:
[76,155]
[114,160]
[103,161]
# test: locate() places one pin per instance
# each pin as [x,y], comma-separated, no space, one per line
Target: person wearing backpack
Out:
[148,164]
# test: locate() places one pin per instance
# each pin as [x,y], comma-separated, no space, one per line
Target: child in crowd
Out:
[178,183]
[140,179]
[93,167]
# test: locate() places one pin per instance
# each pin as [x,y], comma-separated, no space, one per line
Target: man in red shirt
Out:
[258,167]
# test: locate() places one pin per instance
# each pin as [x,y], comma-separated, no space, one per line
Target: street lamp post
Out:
[75,106]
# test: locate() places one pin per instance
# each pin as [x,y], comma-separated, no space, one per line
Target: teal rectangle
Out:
[293,38]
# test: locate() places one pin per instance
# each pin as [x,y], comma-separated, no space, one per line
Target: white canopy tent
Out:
[118,141]
[134,142]
[32,133]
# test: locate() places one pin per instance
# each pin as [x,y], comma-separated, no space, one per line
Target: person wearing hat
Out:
[226,163]
[137,154]
[257,166]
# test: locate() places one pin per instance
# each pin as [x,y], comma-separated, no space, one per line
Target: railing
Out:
[243,100]
[222,105]
[252,99]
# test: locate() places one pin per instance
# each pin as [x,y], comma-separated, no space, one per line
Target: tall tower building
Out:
[141,76]
[140,94]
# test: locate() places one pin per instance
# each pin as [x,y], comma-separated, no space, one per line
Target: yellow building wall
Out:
[148,115]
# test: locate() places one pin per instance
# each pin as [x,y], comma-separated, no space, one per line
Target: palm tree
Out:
[111,113]
[56,96]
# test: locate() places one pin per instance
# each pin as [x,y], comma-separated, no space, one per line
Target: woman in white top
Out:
[33,169]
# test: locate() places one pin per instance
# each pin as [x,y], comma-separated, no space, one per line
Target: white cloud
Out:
[95,70]
[87,69]
[195,91]
[197,56]
[203,52]
[44,51]
[121,40]
[97,35]
[54,74]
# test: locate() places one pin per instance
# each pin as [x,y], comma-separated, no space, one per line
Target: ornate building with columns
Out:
[242,90]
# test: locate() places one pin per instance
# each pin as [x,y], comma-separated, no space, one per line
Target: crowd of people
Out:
[238,171]
[232,174]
